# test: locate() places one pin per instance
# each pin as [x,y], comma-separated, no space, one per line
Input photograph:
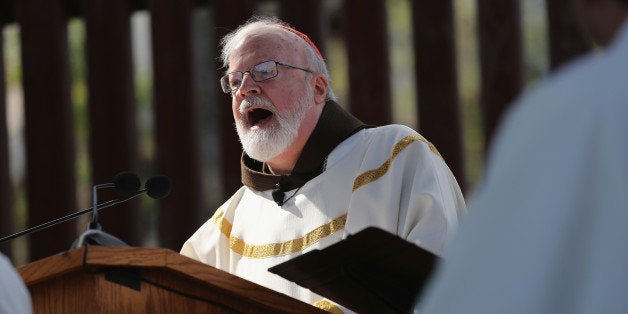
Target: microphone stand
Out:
[94,234]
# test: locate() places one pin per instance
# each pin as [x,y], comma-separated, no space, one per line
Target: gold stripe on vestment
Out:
[328,306]
[374,174]
[239,246]
[223,224]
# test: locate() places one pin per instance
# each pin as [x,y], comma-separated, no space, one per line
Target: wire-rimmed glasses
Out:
[232,81]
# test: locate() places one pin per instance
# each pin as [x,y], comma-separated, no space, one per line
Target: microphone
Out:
[278,194]
[125,183]
[156,187]
[68,217]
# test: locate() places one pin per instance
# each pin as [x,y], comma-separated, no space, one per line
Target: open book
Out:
[372,271]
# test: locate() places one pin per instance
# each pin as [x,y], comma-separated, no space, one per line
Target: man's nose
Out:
[248,86]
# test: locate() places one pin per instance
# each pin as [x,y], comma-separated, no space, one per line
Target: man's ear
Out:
[320,88]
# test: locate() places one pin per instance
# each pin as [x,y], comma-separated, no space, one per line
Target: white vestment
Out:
[389,177]
[548,230]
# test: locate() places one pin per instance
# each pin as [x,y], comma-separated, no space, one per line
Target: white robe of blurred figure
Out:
[548,229]
[14,297]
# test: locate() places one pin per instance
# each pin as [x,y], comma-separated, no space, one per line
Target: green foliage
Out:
[12,57]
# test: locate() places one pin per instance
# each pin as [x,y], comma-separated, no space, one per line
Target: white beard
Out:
[264,144]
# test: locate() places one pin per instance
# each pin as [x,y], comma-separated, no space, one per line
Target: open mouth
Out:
[256,116]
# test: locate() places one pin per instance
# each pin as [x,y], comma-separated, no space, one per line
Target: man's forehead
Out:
[265,45]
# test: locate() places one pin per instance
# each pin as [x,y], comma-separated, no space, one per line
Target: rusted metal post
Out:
[112,109]
[369,65]
[501,59]
[177,120]
[436,79]
[49,124]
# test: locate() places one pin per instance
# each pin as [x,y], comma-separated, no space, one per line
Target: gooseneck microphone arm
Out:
[126,184]
[155,187]
[71,216]
[95,224]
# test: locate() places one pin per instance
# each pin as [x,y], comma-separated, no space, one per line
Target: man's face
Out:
[268,114]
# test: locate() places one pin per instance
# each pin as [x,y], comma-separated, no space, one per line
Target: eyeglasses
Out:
[266,70]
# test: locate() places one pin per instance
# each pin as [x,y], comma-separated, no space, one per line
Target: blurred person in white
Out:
[14,297]
[313,173]
[548,229]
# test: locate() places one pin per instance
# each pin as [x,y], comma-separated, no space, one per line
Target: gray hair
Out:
[312,58]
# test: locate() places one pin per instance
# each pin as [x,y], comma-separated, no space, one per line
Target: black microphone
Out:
[156,187]
[278,194]
[70,216]
[125,183]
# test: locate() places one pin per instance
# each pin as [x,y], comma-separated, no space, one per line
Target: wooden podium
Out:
[98,279]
